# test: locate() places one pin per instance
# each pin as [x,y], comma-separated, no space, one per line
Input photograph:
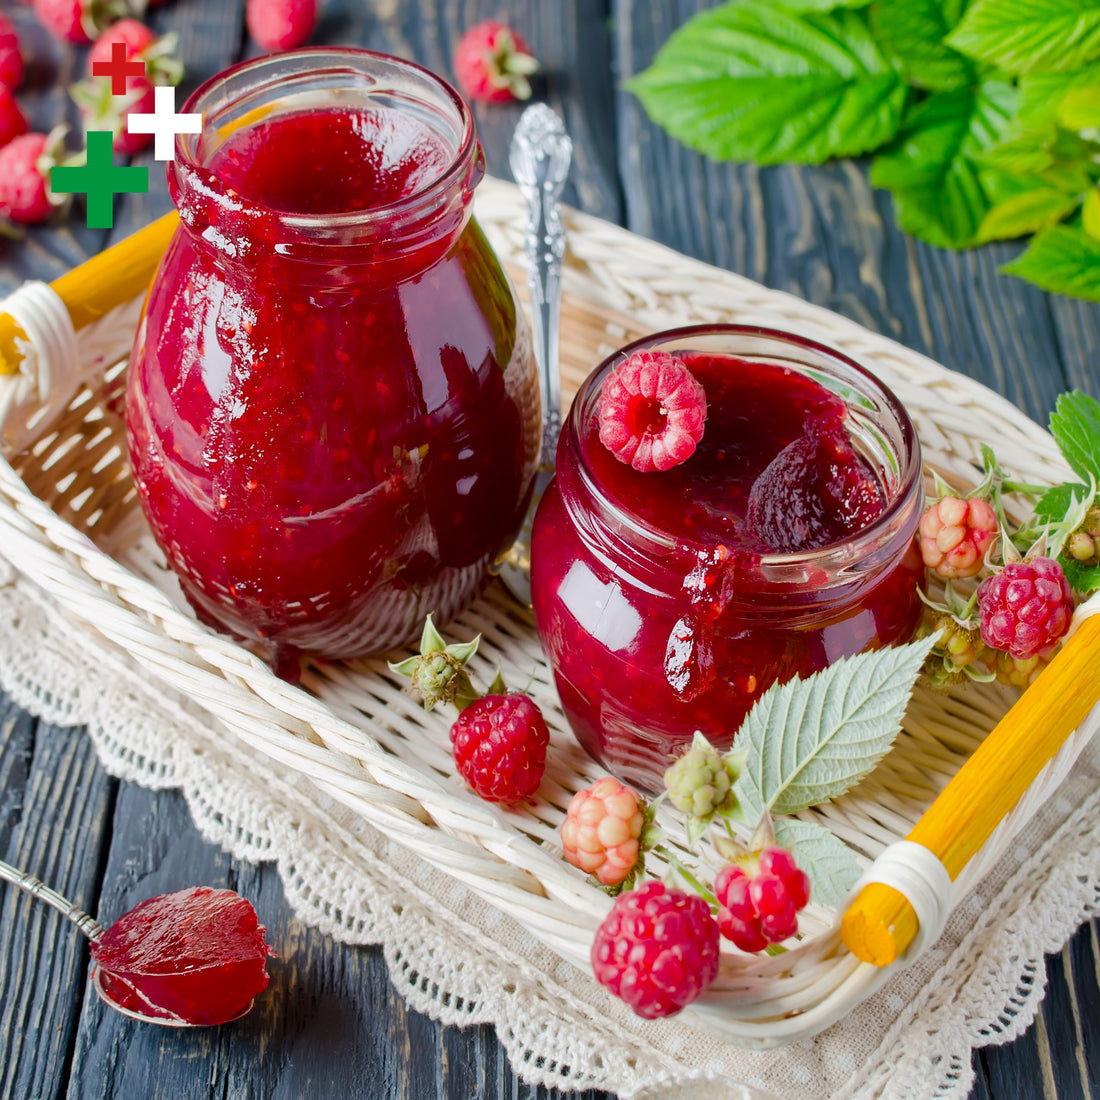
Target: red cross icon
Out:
[118,68]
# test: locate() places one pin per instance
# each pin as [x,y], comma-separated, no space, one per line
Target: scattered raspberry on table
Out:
[657,949]
[492,63]
[602,831]
[1026,607]
[11,54]
[500,746]
[955,535]
[280,24]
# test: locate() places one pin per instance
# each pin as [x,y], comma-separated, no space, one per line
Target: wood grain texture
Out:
[332,1024]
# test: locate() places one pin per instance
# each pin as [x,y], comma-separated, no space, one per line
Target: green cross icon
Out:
[100,179]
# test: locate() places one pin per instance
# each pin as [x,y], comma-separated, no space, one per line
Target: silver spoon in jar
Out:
[91,928]
[540,156]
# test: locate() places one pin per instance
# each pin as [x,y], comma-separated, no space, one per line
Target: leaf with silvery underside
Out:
[1063,259]
[809,741]
[941,190]
[912,34]
[1023,36]
[830,863]
[756,82]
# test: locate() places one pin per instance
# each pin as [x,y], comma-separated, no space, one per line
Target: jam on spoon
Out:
[192,958]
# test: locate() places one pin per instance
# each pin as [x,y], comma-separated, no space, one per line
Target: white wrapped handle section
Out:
[915,872]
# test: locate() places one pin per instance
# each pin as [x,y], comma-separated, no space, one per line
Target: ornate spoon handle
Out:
[37,889]
[540,156]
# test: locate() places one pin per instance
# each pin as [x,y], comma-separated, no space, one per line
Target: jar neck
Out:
[387,242]
[786,589]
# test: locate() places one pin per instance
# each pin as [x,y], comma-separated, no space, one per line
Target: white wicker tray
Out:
[69,521]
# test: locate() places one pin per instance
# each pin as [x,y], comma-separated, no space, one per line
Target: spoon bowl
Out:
[93,930]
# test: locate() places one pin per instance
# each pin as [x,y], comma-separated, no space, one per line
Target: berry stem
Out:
[696,885]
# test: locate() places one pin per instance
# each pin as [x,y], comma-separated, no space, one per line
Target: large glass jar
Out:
[660,598]
[332,405]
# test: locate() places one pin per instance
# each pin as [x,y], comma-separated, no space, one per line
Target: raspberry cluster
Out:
[114,31]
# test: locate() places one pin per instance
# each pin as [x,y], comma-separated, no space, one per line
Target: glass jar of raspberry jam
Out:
[669,601]
[332,406]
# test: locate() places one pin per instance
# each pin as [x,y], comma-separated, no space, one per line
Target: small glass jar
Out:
[332,406]
[655,623]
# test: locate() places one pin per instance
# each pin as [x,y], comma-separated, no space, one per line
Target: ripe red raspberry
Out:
[78,21]
[492,63]
[657,949]
[602,831]
[100,108]
[11,56]
[24,170]
[1026,607]
[500,746]
[955,535]
[13,123]
[280,24]
[760,899]
[652,411]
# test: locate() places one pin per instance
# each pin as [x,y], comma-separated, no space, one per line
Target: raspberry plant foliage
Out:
[985,116]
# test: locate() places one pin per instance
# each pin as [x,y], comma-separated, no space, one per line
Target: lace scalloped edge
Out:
[552,1038]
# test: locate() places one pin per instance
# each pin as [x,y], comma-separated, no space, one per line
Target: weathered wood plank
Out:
[57,803]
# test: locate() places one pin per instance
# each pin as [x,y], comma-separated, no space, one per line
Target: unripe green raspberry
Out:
[701,782]
[1081,546]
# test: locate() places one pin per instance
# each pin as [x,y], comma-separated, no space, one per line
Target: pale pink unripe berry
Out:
[955,535]
[602,831]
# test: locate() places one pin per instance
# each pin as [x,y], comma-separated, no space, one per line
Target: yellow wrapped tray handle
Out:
[109,279]
[880,923]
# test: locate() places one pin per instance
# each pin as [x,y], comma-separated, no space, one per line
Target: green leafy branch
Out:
[804,742]
[985,117]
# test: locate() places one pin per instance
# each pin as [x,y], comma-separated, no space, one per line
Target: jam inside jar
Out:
[332,406]
[669,601]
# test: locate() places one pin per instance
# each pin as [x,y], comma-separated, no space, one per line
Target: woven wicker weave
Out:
[69,520]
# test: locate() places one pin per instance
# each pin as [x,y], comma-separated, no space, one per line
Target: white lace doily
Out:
[980,984]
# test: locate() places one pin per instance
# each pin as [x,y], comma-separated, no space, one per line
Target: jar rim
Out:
[660,539]
[312,63]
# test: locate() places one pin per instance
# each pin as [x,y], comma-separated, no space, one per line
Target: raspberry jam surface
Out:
[332,409]
[196,956]
[669,601]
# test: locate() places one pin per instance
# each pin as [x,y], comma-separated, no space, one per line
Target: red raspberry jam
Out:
[669,601]
[195,956]
[332,406]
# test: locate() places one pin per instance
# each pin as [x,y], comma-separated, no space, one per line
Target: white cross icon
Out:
[164,123]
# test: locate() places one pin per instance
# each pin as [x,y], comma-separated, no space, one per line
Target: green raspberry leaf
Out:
[1027,212]
[1055,504]
[1023,36]
[829,862]
[1082,578]
[941,190]
[1063,259]
[912,34]
[757,82]
[1041,94]
[1075,425]
[823,5]
[809,741]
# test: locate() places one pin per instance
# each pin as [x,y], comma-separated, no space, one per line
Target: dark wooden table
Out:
[338,1028]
